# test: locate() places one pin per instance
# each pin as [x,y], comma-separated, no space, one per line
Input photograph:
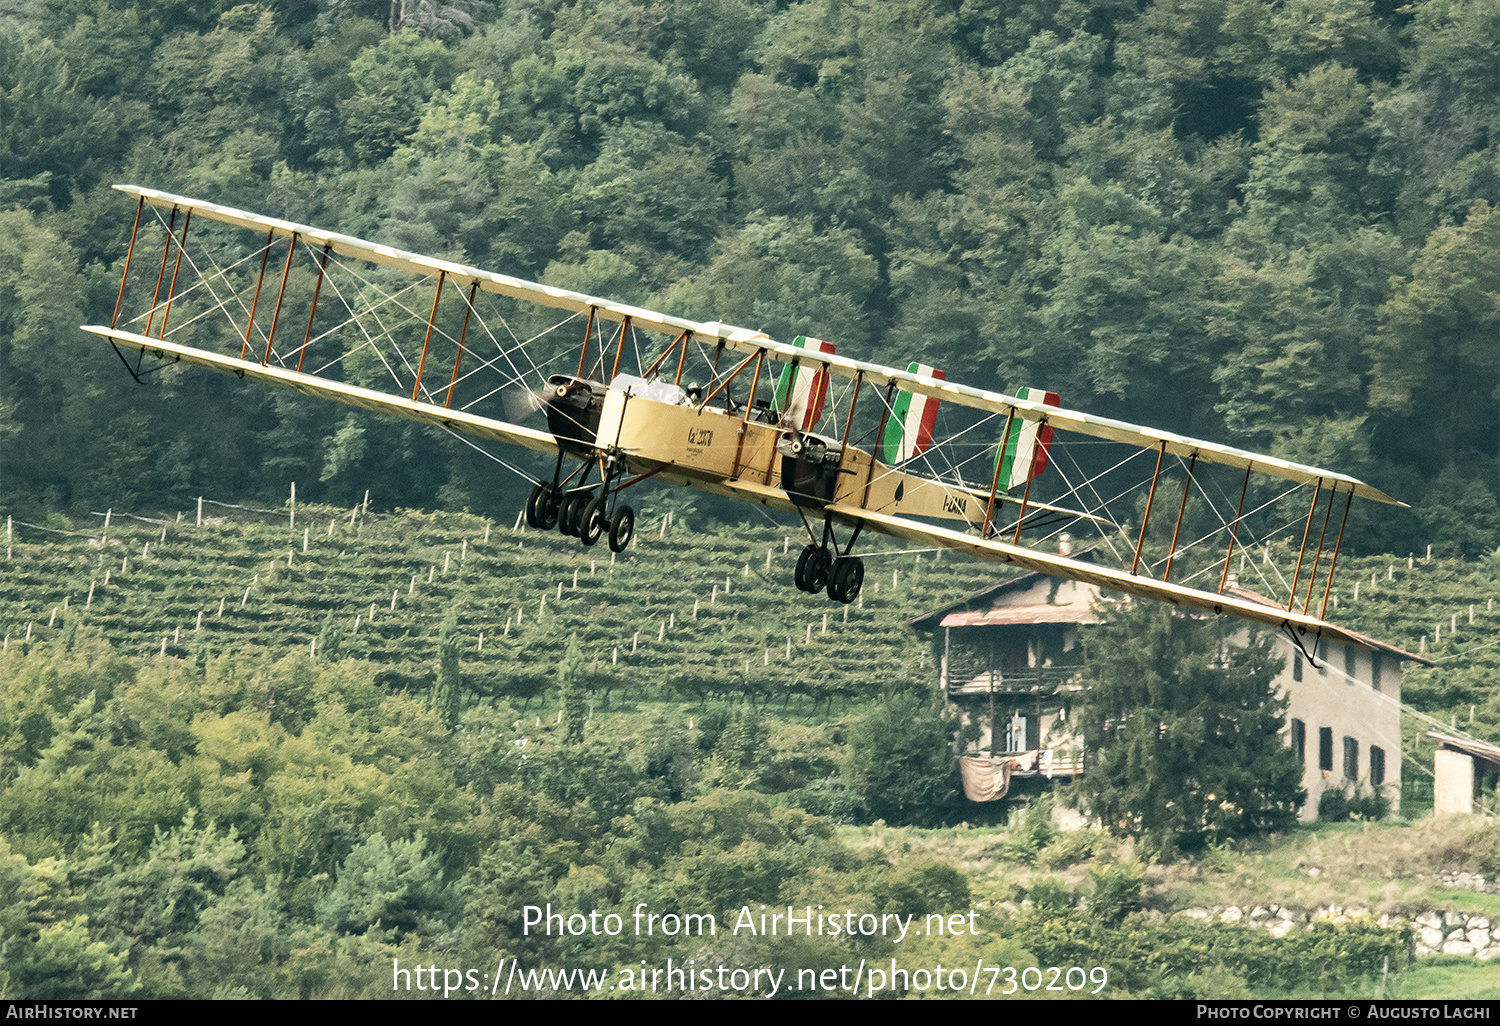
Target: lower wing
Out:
[338,391]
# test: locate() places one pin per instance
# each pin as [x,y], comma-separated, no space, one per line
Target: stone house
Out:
[1010,654]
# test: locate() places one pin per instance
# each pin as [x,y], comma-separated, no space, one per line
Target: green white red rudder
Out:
[908,430]
[1024,455]
[803,387]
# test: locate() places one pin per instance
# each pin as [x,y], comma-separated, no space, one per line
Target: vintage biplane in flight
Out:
[751,420]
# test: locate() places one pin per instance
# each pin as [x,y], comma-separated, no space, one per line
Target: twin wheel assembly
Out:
[581,513]
[819,567]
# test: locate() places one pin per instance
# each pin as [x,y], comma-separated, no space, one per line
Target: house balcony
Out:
[961,678]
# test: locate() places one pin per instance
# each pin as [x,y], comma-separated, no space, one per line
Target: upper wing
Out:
[352,395]
[746,340]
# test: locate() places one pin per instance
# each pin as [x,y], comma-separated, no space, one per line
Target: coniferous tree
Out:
[1183,730]
[447,692]
[570,683]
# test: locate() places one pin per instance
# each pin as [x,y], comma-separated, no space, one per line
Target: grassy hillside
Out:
[634,615]
[317,768]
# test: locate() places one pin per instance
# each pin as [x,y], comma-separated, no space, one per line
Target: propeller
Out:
[523,403]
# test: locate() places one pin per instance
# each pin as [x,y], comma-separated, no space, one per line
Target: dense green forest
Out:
[1277,215]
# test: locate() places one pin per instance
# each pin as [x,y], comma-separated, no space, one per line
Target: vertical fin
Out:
[803,388]
[1025,455]
[908,431]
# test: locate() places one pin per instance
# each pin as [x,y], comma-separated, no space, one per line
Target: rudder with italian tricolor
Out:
[908,430]
[1025,452]
[802,387]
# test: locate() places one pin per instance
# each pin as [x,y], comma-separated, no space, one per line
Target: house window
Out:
[1377,765]
[1299,741]
[1297,665]
[1351,759]
[1349,664]
[1325,749]
[1375,670]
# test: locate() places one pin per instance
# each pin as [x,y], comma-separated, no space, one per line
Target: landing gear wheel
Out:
[575,513]
[815,573]
[580,505]
[621,529]
[537,490]
[846,579]
[799,577]
[546,507]
[591,521]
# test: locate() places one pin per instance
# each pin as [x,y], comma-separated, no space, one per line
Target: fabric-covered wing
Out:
[352,395]
[1104,577]
[746,340]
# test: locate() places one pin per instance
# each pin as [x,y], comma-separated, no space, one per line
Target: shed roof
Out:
[1469,746]
[999,616]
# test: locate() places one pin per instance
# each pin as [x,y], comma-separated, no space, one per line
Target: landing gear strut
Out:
[825,566]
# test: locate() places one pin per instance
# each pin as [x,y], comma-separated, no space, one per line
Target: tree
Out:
[1183,731]
[397,886]
[570,685]
[1435,362]
[447,692]
[901,763]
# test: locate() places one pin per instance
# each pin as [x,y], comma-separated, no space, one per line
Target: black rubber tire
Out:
[799,576]
[531,501]
[591,521]
[846,579]
[816,575]
[835,580]
[579,505]
[546,507]
[621,529]
[575,513]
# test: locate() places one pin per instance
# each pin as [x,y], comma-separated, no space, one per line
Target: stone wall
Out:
[1437,932]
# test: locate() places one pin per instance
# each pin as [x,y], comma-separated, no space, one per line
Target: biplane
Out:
[715,407]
